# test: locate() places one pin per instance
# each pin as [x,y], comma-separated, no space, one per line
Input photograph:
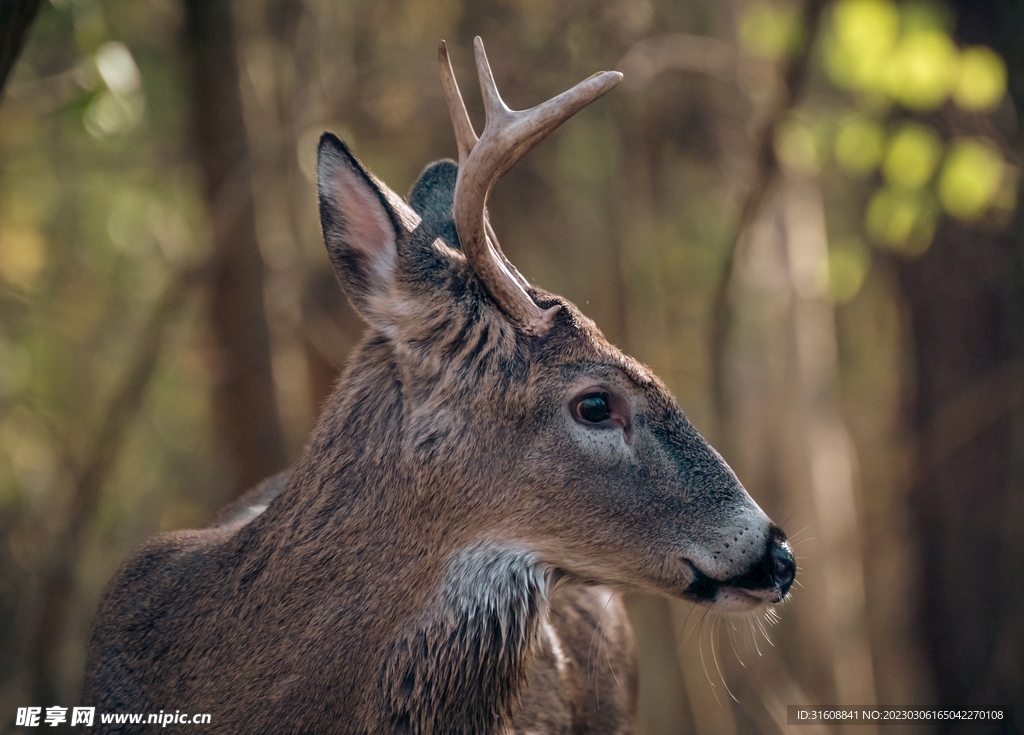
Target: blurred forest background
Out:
[805,216]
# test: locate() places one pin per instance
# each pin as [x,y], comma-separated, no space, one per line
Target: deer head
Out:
[517,417]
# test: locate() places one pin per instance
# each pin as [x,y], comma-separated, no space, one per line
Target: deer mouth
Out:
[767,581]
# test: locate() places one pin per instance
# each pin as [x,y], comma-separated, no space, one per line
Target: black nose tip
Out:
[783,566]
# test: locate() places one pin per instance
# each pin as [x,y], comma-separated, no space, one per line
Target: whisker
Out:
[590,655]
[685,635]
[732,642]
[686,622]
[764,632]
[703,664]
[721,676]
[753,636]
[607,655]
[593,676]
[794,536]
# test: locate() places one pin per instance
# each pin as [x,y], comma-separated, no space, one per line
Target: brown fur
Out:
[433,553]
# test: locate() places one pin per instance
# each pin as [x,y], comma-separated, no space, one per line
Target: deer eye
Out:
[593,408]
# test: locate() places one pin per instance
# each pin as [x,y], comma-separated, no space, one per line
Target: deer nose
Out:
[782,565]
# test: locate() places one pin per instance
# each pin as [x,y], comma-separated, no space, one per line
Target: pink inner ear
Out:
[369,229]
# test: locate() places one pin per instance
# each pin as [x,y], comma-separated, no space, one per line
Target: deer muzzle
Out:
[767,580]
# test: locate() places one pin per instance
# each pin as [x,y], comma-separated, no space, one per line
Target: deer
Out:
[490,475]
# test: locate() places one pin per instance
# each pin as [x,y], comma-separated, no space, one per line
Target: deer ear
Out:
[432,196]
[363,222]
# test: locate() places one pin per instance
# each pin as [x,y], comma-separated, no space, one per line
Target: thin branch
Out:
[766,169]
[58,574]
[684,52]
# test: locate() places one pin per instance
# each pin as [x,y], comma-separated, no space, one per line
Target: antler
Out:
[507,136]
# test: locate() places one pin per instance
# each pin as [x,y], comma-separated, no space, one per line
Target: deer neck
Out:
[459,618]
[351,471]
[458,667]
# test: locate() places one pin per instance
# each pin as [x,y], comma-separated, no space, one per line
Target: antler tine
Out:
[507,136]
[465,139]
[517,132]
[465,136]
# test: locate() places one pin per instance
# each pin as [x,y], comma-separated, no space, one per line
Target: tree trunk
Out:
[966,301]
[15,18]
[961,295]
[245,411]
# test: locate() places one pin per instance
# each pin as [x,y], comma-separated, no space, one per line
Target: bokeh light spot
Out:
[849,261]
[924,69]
[981,83]
[770,30]
[900,220]
[859,144]
[970,177]
[797,147]
[22,254]
[913,154]
[866,25]
[117,68]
